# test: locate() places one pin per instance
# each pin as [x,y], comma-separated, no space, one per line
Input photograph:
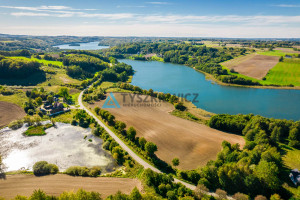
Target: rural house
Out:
[295,176]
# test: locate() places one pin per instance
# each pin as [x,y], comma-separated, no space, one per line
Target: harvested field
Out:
[10,112]
[287,50]
[255,66]
[57,184]
[193,143]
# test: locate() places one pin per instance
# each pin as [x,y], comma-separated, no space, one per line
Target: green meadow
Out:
[44,62]
[285,73]
[274,53]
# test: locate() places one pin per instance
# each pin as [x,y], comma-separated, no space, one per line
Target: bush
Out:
[179,106]
[240,196]
[106,145]
[53,169]
[221,194]
[42,168]
[83,171]
[175,161]
[95,171]
[16,124]
[30,112]
[74,122]
[260,197]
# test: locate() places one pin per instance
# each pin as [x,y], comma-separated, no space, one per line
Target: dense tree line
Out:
[257,169]
[85,195]
[83,171]
[88,53]
[17,68]
[141,145]
[6,91]
[80,194]
[252,127]
[39,43]
[233,79]
[83,66]
[25,53]
[164,185]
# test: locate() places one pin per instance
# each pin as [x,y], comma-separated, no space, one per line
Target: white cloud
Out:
[119,6]
[116,16]
[30,14]
[39,8]
[259,19]
[158,2]
[57,11]
[46,8]
[288,6]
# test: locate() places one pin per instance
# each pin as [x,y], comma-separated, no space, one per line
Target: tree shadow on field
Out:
[32,80]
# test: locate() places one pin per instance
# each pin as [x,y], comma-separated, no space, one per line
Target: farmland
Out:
[57,184]
[255,66]
[193,143]
[10,112]
[283,73]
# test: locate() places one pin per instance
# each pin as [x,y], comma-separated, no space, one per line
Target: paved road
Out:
[125,147]
[133,154]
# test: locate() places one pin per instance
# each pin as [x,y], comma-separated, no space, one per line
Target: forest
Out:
[83,66]
[17,68]
[255,169]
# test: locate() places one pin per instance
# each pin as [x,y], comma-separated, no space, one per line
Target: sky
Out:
[176,18]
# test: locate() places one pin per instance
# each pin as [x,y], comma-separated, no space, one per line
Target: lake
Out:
[83,46]
[179,79]
[64,145]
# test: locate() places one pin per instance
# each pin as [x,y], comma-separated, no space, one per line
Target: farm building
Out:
[56,107]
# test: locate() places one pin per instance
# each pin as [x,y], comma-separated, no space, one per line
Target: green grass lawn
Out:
[66,117]
[18,98]
[292,159]
[35,131]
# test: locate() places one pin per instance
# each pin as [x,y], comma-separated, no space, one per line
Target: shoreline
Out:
[211,77]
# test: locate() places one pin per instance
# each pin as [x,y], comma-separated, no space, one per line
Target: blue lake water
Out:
[179,79]
[83,46]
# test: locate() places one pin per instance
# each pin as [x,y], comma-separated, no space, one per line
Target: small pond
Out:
[64,145]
